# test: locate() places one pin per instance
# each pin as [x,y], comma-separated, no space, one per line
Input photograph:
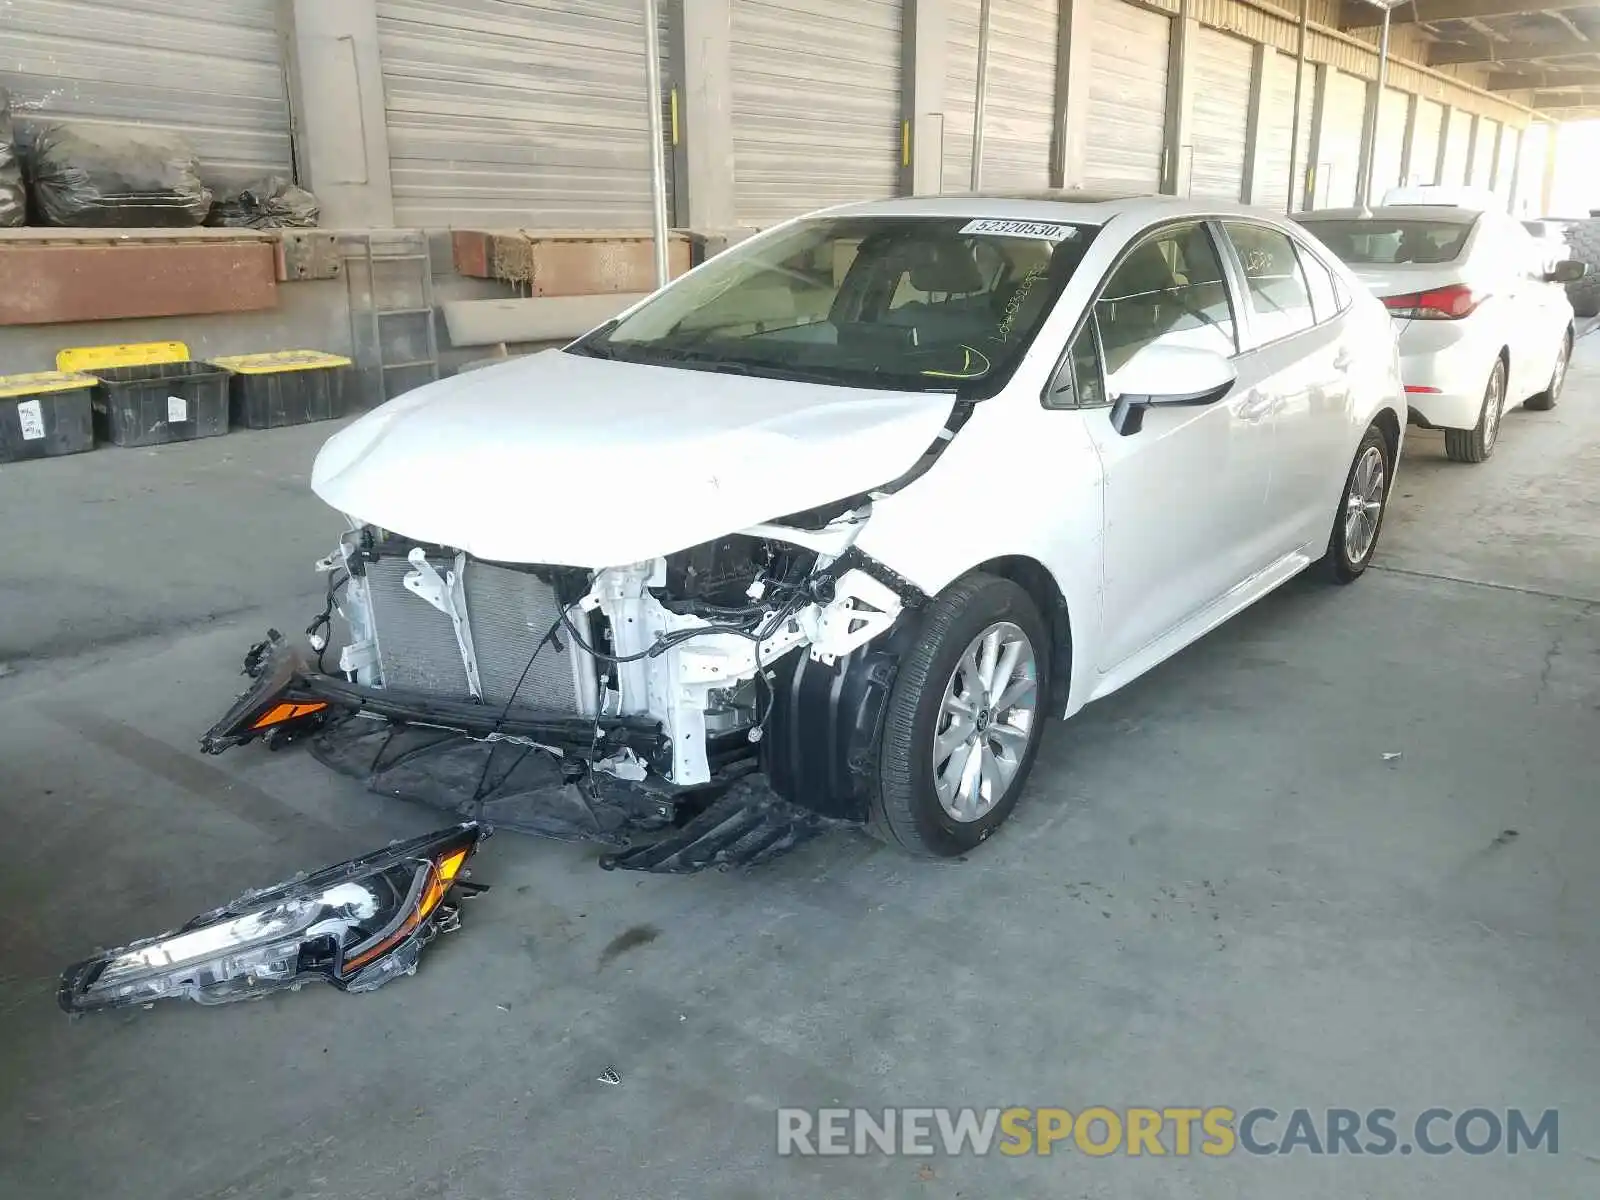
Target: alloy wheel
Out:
[1493,402]
[985,722]
[1363,506]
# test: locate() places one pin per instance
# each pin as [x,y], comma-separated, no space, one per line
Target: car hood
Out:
[559,458]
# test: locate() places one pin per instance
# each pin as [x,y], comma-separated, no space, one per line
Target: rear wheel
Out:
[1360,517]
[1546,400]
[1475,445]
[964,720]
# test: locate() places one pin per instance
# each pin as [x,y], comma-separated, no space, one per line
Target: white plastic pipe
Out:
[658,141]
[980,101]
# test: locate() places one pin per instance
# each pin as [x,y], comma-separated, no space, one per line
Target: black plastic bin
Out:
[161,403]
[44,415]
[287,387]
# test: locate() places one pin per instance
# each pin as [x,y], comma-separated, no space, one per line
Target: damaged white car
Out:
[842,516]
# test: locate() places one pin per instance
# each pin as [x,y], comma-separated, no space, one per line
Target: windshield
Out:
[1377,241]
[900,303]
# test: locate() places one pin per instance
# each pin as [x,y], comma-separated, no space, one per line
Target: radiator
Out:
[509,613]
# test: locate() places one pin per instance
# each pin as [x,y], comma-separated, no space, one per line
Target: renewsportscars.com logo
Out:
[1214,1132]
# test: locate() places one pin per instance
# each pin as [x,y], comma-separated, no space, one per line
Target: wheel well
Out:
[1389,424]
[1034,578]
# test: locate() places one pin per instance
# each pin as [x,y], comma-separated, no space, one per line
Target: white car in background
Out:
[1479,308]
[858,504]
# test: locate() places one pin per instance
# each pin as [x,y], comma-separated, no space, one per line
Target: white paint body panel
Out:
[1152,538]
[590,463]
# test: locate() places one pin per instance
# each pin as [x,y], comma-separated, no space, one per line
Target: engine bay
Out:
[691,641]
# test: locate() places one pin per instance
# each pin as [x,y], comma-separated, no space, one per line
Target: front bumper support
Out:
[284,678]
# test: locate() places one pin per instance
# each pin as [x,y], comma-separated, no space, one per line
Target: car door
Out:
[1549,312]
[1527,319]
[1185,494]
[1295,350]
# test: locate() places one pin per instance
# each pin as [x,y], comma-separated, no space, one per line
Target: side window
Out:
[1324,296]
[1278,295]
[1080,381]
[1169,289]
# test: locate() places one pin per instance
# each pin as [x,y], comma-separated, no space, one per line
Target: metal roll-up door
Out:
[1424,166]
[816,105]
[1483,152]
[1457,146]
[528,114]
[1222,68]
[214,75]
[1129,49]
[1506,164]
[1389,146]
[1019,114]
[1529,198]
[1339,153]
[1272,185]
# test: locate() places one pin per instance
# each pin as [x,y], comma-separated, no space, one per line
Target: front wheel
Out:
[1477,444]
[964,720]
[1360,517]
[1546,400]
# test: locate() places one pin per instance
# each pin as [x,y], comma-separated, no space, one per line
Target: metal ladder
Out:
[389,277]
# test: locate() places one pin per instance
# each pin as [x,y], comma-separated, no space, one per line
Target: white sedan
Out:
[1479,306]
[861,501]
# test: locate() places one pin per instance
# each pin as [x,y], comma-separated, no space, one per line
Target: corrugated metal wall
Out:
[1389,146]
[1282,31]
[1019,115]
[216,77]
[1483,152]
[1424,167]
[1339,151]
[816,104]
[521,114]
[1130,49]
[1457,146]
[1224,83]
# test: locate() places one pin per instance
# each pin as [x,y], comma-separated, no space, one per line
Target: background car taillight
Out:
[1441,304]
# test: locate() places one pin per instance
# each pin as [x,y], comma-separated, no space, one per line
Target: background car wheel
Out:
[1546,399]
[1477,444]
[964,720]
[1360,517]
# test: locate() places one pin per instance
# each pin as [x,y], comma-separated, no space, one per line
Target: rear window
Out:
[1377,241]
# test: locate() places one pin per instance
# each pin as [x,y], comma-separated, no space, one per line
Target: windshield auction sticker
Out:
[1042,230]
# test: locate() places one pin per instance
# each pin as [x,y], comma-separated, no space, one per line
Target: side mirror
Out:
[1566,271]
[1165,375]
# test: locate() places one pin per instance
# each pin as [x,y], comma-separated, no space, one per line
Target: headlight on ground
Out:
[357,925]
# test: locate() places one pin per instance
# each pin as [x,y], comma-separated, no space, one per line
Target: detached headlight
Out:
[357,925]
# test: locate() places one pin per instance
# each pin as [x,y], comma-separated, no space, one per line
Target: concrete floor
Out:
[1218,890]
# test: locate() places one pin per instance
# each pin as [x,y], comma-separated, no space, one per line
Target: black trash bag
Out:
[270,203]
[115,176]
[13,195]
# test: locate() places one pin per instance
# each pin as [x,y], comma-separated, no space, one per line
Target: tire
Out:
[1368,482]
[1583,242]
[1475,445]
[906,808]
[1547,399]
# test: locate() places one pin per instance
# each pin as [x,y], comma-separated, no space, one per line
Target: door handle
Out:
[1343,359]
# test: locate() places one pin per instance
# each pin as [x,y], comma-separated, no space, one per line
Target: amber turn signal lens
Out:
[284,713]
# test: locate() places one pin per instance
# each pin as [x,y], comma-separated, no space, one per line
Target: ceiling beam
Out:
[1551,100]
[1443,54]
[1359,15]
[1508,82]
